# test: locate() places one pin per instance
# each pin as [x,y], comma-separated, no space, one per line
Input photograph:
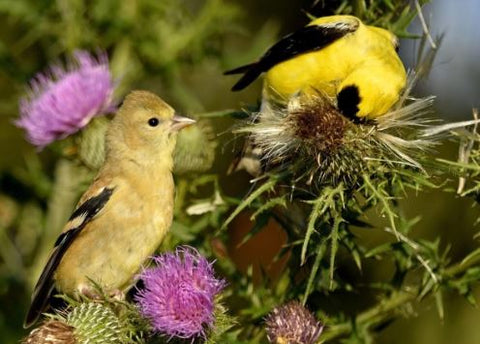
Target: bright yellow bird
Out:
[338,55]
[124,215]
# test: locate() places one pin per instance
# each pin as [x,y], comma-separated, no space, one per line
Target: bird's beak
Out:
[180,122]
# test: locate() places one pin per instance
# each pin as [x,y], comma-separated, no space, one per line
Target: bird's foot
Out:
[90,292]
[117,294]
[94,293]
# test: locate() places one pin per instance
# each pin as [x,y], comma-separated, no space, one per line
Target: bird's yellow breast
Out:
[132,225]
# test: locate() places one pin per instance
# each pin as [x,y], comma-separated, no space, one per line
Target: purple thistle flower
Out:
[178,297]
[292,323]
[64,100]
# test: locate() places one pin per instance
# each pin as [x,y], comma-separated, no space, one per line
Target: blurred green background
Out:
[179,49]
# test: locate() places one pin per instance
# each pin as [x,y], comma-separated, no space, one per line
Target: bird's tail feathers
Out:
[241,69]
[40,300]
[252,71]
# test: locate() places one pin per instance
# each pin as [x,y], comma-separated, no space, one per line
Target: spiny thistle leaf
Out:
[265,187]
[330,200]
[334,246]
[318,258]
[377,193]
[280,201]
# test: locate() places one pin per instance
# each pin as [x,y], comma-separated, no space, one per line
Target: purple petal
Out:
[179,293]
[64,100]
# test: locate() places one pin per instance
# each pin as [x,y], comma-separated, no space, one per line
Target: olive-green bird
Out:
[124,215]
[354,63]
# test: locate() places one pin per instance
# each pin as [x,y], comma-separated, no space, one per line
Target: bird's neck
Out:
[149,168]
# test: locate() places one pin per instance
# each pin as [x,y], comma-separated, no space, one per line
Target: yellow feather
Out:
[365,58]
[107,243]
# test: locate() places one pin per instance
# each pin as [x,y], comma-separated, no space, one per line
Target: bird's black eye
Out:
[153,122]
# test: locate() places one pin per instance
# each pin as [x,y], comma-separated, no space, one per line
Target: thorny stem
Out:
[387,309]
[415,247]
[425,28]
[464,151]
[461,267]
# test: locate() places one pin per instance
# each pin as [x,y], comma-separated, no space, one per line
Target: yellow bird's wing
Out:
[309,38]
[84,213]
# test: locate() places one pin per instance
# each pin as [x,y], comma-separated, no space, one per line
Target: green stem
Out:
[461,267]
[359,8]
[12,259]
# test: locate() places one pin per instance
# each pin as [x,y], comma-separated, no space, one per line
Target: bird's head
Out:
[145,128]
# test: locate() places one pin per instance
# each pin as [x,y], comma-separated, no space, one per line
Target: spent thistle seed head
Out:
[62,100]
[292,323]
[318,125]
[51,332]
[314,142]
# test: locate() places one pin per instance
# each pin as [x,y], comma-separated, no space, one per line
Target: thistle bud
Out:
[292,323]
[195,149]
[96,323]
[91,148]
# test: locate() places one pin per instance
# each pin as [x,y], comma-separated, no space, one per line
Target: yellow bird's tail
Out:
[251,70]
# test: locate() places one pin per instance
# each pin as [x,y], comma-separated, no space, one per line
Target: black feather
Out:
[240,70]
[309,38]
[247,78]
[92,205]
[348,100]
[45,285]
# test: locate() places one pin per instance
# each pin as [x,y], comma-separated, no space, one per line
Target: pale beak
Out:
[180,122]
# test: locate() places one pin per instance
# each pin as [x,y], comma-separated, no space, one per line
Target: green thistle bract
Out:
[195,149]
[87,323]
[91,147]
[96,323]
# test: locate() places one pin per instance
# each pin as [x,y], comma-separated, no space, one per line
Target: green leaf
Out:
[265,187]
[318,258]
[334,247]
[331,199]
